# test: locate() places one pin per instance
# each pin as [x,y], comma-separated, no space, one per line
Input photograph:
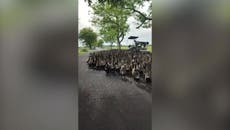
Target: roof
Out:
[132,37]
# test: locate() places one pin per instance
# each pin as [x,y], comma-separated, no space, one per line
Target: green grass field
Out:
[149,48]
[115,47]
[83,50]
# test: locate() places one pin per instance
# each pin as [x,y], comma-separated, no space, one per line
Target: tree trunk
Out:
[119,44]
[120,38]
[111,45]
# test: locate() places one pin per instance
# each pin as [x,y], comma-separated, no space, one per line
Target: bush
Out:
[84,50]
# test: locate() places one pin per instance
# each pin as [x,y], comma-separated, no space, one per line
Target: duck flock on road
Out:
[127,63]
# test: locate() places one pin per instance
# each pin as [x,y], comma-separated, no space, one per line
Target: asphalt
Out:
[106,102]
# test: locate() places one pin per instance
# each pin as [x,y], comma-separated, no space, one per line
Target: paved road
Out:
[108,103]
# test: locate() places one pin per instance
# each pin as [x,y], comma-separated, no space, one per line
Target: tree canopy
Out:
[100,43]
[112,22]
[88,36]
[144,18]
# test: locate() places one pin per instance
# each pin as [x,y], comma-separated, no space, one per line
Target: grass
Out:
[149,48]
[115,47]
[84,50]
[81,53]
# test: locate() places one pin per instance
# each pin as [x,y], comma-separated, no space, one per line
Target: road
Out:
[109,103]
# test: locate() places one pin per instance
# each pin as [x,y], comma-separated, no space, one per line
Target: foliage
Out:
[144,18]
[100,43]
[84,50]
[112,22]
[88,36]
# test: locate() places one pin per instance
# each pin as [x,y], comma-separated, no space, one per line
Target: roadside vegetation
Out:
[85,50]
[110,18]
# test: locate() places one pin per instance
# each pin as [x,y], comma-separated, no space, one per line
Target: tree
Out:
[144,18]
[88,36]
[108,36]
[100,43]
[111,21]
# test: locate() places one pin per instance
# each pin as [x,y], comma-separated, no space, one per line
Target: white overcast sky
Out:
[84,14]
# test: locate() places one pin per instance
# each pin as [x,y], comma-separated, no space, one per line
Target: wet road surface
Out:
[108,103]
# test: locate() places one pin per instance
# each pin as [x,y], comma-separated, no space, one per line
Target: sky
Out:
[84,14]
